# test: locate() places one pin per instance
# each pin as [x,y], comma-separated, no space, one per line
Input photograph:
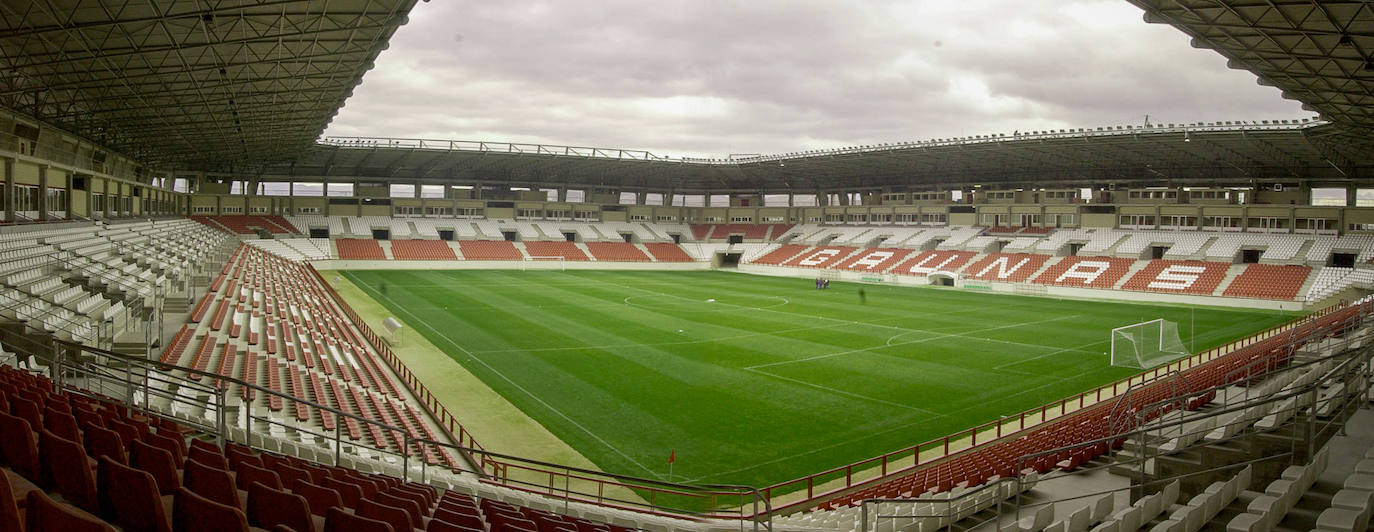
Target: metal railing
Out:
[641,155]
[835,481]
[225,407]
[1309,425]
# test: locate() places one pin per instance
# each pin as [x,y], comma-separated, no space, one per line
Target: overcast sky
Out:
[711,78]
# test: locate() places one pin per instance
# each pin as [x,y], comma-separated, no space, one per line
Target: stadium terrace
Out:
[214,318]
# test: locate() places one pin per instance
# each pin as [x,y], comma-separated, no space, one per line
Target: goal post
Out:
[549,263]
[1147,344]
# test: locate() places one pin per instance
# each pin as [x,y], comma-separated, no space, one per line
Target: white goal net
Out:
[1147,344]
[553,263]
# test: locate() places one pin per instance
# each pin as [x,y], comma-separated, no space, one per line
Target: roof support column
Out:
[67,202]
[108,200]
[8,199]
[42,193]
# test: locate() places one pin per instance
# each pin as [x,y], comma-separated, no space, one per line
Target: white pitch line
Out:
[518,386]
[842,392]
[938,337]
[1050,354]
[814,451]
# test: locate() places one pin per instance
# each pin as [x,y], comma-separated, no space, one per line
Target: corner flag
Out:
[672,455]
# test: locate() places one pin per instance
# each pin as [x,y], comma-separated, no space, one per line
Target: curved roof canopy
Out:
[220,84]
[1318,52]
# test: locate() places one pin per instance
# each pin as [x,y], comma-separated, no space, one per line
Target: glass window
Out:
[340,189]
[1329,197]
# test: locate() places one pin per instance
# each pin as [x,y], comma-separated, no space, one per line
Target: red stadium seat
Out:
[46,515]
[130,498]
[194,513]
[268,507]
[67,470]
[158,463]
[339,520]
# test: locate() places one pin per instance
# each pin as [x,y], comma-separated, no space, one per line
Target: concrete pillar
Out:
[105,191]
[8,165]
[68,202]
[43,192]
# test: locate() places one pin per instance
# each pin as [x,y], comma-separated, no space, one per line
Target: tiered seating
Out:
[933,260]
[1269,281]
[1331,280]
[97,464]
[667,252]
[1087,272]
[489,250]
[245,224]
[359,249]
[616,251]
[777,256]
[822,257]
[421,250]
[1178,277]
[875,260]
[705,232]
[284,321]
[560,248]
[1006,267]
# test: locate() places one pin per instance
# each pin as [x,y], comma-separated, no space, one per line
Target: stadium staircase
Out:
[386,248]
[1135,268]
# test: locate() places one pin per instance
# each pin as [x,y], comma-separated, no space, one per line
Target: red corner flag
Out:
[672,454]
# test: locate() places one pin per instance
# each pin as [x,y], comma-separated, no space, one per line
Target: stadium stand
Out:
[1180,277]
[1089,272]
[781,254]
[876,260]
[665,252]
[247,225]
[1268,281]
[931,261]
[232,486]
[489,250]
[565,249]
[359,248]
[422,250]
[1005,267]
[616,252]
[822,257]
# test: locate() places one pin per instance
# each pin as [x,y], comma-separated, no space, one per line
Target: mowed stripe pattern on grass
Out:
[773,379]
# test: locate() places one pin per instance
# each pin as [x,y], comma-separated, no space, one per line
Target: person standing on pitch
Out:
[863,298]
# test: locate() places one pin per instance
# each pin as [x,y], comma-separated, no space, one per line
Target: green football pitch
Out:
[755,380]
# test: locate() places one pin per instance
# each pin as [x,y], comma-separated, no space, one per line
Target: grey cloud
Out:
[714,77]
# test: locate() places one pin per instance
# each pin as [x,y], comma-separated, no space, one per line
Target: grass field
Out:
[773,379]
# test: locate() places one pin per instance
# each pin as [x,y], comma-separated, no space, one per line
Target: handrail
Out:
[431,403]
[642,155]
[631,484]
[996,430]
[992,431]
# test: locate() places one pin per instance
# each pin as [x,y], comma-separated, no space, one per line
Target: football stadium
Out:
[217,317]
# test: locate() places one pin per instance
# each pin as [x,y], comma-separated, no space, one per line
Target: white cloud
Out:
[708,78]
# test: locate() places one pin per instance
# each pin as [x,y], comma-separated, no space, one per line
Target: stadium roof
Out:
[244,87]
[1288,151]
[204,85]
[1318,52]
